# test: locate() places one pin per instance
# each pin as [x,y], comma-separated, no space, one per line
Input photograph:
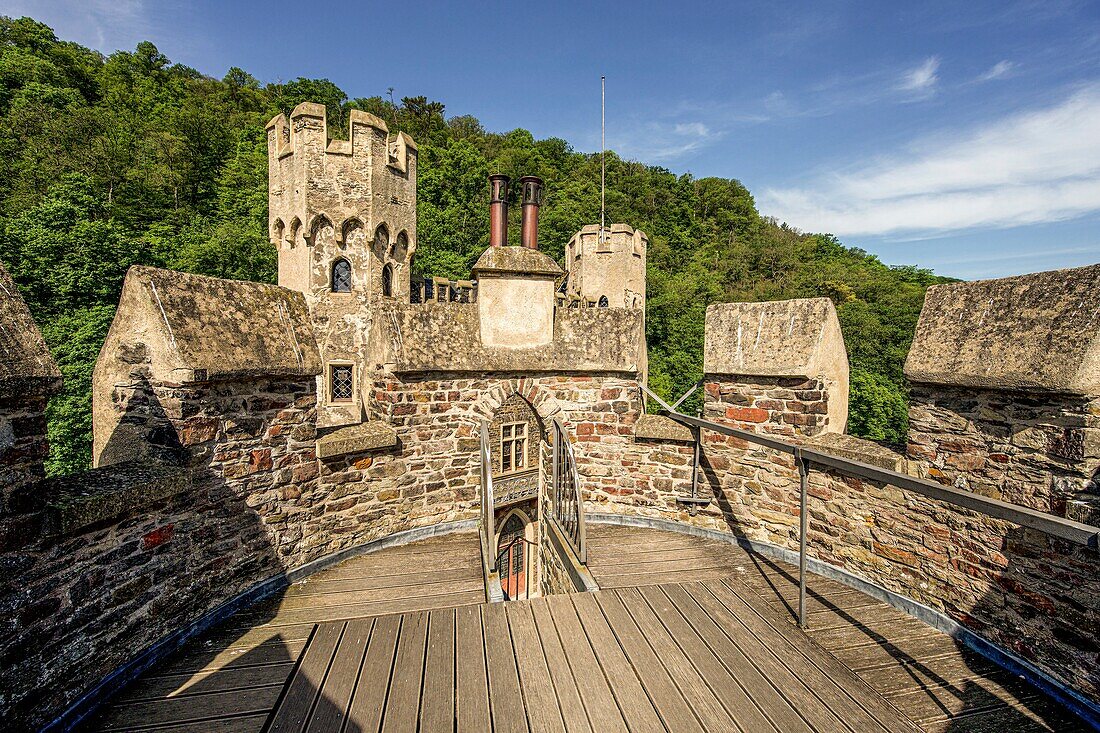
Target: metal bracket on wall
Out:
[694,501]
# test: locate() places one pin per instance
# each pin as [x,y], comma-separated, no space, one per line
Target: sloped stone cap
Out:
[858,449]
[368,436]
[26,365]
[660,427]
[1032,332]
[516,261]
[211,328]
[122,490]
[783,338]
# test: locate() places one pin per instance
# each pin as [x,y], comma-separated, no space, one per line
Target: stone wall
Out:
[1035,450]
[23,449]
[86,589]
[787,406]
[1029,593]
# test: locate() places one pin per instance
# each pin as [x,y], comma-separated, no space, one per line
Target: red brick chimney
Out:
[498,210]
[532,199]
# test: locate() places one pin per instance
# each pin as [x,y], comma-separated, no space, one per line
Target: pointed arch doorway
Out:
[514,555]
[518,452]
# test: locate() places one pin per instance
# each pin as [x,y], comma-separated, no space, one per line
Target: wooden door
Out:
[512,558]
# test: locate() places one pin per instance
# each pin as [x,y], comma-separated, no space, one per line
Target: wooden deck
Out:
[228,680]
[679,657]
[688,634]
[935,681]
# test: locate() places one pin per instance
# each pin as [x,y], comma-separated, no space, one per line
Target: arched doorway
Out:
[513,556]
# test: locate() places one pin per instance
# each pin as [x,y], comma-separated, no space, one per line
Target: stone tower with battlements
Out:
[342,215]
[611,267]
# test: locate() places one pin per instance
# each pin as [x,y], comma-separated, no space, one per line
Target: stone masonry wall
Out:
[1023,590]
[23,449]
[1034,450]
[78,603]
[788,405]
[77,606]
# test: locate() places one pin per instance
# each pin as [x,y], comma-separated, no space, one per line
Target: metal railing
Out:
[442,290]
[807,458]
[566,501]
[488,520]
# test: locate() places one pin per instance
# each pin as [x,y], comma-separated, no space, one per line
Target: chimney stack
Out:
[532,199]
[498,210]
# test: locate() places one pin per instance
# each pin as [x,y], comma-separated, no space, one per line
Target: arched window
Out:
[387,280]
[603,301]
[341,276]
[401,247]
[381,239]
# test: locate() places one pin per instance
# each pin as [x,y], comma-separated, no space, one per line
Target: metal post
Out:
[693,508]
[803,523]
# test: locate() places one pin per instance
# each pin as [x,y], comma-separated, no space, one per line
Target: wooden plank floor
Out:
[228,680]
[688,634]
[924,672]
[676,657]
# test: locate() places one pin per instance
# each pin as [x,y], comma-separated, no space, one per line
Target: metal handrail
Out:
[563,455]
[1076,532]
[488,530]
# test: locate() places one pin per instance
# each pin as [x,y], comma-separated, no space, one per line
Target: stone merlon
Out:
[784,338]
[26,365]
[185,328]
[1032,332]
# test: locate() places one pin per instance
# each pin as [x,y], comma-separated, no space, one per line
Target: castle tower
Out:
[328,199]
[342,214]
[611,267]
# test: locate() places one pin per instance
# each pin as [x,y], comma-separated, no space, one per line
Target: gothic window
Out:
[387,280]
[401,247]
[381,240]
[603,301]
[513,446]
[341,276]
[341,382]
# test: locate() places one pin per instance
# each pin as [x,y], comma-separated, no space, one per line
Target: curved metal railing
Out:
[567,503]
[488,520]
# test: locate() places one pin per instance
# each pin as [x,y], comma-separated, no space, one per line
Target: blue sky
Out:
[962,136]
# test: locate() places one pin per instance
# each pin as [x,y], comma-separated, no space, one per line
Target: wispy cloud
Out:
[105,25]
[921,80]
[999,70]
[1032,167]
[662,141]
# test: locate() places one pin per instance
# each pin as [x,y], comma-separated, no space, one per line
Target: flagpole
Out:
[603,152]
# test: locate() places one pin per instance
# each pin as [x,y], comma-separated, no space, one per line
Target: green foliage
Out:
[878,409]
[110,161]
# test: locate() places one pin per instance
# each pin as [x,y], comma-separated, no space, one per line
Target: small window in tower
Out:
[513,446]
[341,276]
[341,382]
[381,240]
[387,280]
[603,301]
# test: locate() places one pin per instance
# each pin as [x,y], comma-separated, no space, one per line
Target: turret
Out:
[607,270]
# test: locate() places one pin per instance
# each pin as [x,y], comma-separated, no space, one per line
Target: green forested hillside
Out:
[108,162]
